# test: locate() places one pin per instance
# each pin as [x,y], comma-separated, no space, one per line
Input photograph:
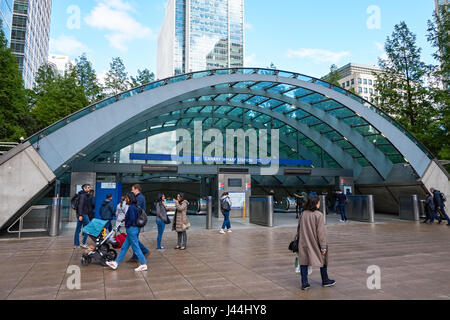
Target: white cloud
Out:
[250,60]
[248,26]
[318,55]
[67,45]
[114,16]
[380,47]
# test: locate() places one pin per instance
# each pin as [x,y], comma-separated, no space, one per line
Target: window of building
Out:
[365,81]
[365,90]
[359,80]
[343,85]
[371,91]
[348,83]
[370,82]
[360,90]
[353,82]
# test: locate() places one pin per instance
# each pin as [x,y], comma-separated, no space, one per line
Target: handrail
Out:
[20,220]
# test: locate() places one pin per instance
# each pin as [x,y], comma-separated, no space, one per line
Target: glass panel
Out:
[277,124]
[387,149]
[262,85]
[193,110]
[365,130]
[353,152]
[244,84]
[310,121]
[341,113]
[80,114]
[208,123]
[223,110]
[340,90]
[201,74]
[225,85]
[377,139]
[322,83]
[245,71]
[189,100]
[298,114]
[271,104]
[285,74]
[252,114]
[240,97]
[322,128]
[223,97]
[304,78]
[343,144]
[396,159]
[105,103]
[281,88]
[269,72]
[207,109]
[256,100]
[313,98]
[297,93]
[355,97]
[285,108]
[225,71]
[206,98]
[354,121]
[328,105]
[178,79]
[153,85]
[333,136]
[237,112]
[363,162]
[263,119]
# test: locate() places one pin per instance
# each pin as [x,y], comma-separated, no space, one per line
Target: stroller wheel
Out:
[111,255]
[85,260]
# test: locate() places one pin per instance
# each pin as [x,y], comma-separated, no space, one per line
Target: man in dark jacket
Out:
[439,204]
[107,211]
[342,199]
[430,210]
[92,198]
[83,209]
[141,203]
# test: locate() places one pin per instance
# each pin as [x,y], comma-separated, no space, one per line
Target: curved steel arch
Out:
[122,143]
[63,146]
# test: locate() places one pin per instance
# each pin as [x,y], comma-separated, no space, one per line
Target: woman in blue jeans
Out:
[225,206]
[161,219]
[132,236]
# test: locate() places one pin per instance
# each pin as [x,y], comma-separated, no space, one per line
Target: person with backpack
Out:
[299,201]
[225,207]
[430,210]
[141,203]
[180,221]
[107,211]
[161,220]
[131,222]
[121,211]
[439,202]
[82,205]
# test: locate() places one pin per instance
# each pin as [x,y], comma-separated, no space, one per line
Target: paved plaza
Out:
[251,263]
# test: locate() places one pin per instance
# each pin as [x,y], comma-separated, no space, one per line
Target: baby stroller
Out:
[102,251]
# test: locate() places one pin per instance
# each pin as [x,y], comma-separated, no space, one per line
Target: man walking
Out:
[299,200]
[107,211]
[342,199]
[225,206]
[439,204]
[141,203]
[83,208]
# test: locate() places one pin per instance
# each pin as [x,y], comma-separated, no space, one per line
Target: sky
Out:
[303,36]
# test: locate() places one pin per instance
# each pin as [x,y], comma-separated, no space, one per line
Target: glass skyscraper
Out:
[200,35]
[6,7]
[30,36]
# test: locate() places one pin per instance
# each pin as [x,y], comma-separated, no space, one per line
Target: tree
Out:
[333,77]
[402,81]
[143,77]
[54,96]
[116,80]
[439,37]
[87,78]
[13,112]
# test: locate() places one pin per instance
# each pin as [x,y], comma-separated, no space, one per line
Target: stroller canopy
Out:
[95,228]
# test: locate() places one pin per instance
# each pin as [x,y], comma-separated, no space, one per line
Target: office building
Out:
[30,36]
[201,35]
[6,7]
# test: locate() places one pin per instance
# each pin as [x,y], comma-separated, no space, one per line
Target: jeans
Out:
[227,222]
[161,227]
[304,272]
[109,226]
[182,238]
[133,241]
[81,224]
[445,215]
[343,213]
[142,247]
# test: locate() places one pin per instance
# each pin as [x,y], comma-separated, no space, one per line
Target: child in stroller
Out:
[102,251]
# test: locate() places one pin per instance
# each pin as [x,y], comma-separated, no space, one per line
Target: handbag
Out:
[186,225]
[293,246]
[167,220]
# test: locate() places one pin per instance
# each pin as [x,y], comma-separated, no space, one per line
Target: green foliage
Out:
[55,97]
[87,78]
[144,77]
[333,77]
[13,111]
[116,80]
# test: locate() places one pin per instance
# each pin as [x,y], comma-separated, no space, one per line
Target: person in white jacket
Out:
[121,211]
[225,206]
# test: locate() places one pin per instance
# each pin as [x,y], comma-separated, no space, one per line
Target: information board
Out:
[237,200]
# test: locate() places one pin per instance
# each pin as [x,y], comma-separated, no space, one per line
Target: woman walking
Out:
[181,222]
[225,206]
[312,245]
[161,219]
[132,236]
[121,211]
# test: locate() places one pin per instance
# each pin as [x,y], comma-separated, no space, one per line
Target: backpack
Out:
[443,197]
[75,201]
[142,219]
[225,205]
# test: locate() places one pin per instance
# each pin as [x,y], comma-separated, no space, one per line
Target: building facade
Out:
[30,36]
[6,7]
[443,4]
[360,79]
[201,35]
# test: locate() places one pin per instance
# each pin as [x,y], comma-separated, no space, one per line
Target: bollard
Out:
[55,218]
[209,213]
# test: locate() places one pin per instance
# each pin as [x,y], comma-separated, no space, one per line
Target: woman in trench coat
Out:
[313,245]
[181,222]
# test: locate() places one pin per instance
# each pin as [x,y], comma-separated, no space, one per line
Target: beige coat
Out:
[180,216]
[312,235]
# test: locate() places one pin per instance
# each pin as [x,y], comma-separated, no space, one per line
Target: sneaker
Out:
[306,286]
[84,246]
[161,249]
[222,232]
[329,283]
[112,264]
[229,231]
[342,221]
[141,268]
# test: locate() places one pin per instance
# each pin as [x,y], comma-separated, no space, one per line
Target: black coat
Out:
[107,211]
[437,199]
[84,204]
[429,206]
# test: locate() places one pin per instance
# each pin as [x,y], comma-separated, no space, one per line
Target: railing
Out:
[21,222]
[6,146]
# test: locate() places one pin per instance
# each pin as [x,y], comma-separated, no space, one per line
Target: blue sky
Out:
[297,35]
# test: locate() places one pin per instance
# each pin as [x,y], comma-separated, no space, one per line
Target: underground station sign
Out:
[159,169]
